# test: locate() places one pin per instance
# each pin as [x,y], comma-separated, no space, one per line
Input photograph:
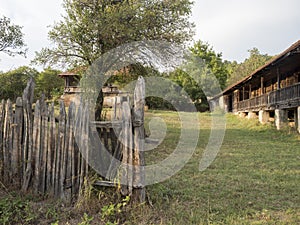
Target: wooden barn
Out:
[272,92]
[72,89]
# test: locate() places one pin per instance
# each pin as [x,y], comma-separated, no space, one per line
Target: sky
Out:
[231,27]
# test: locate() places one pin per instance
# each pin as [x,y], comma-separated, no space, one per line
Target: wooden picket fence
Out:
[44,154]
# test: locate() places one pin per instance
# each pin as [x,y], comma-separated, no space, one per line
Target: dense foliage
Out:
[49,83]
[14,82]
[205,75]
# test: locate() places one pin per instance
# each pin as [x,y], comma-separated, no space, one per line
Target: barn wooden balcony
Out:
[287,97]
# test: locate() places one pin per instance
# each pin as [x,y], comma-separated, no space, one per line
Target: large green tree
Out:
[204,76]
[240,70]
[11,38]
[91,28]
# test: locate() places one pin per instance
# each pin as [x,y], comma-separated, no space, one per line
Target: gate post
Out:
[139,141]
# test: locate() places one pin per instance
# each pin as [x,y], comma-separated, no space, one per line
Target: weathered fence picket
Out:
[27,154]
[7,144]
[2,111]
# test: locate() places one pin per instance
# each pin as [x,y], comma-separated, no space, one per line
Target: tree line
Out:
[91,28]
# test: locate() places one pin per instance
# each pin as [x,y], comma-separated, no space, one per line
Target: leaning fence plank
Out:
[139,137]
[17,142]
[27,143]
[2,114]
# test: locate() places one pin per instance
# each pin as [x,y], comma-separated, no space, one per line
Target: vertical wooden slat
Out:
[44,144]
[17,142]
[139,138]
[36,140]
[85,145]
[2,114]
[67,160]
[78,135]
[27,143]
[7,144]
[51,151]
[70,153]
[64,158]
[60,175]
[127,161]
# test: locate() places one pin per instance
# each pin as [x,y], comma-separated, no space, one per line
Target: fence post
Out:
[127,161]
[139,139]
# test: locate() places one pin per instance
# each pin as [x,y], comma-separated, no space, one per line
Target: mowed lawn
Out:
[255,178]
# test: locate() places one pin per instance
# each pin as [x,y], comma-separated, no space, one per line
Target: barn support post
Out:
[264,116]
[281,118]
[252,115]
[298,119]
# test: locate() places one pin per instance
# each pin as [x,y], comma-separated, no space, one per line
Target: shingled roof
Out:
[268,65]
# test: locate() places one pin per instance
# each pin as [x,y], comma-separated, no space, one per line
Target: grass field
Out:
[255,179]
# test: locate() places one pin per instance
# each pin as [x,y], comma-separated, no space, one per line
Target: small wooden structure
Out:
[72,85]
[72,89]
[271,91]
[43,155]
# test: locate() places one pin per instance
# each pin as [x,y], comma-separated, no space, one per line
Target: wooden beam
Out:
[278,79]
[262,85]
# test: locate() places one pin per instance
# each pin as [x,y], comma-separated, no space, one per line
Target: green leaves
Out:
[11,38]
[14,82]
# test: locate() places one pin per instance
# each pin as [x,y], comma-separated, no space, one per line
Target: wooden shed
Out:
[71,82]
